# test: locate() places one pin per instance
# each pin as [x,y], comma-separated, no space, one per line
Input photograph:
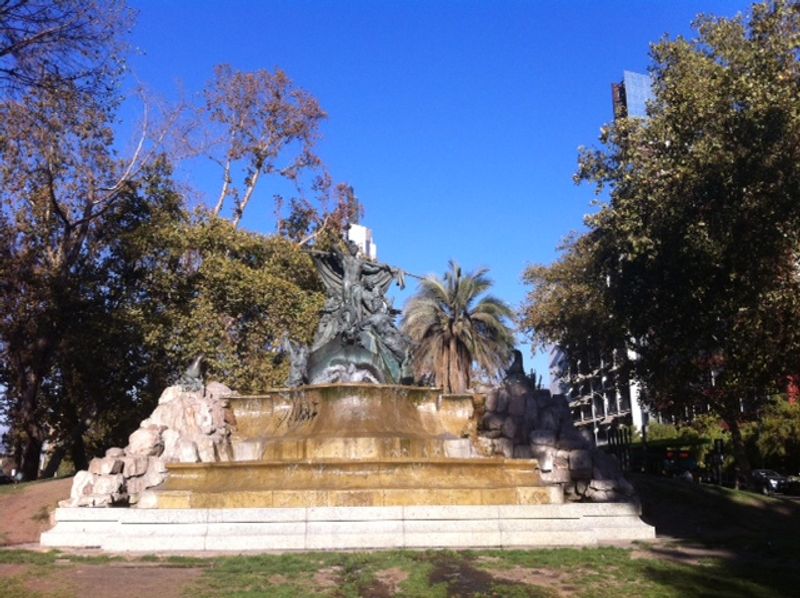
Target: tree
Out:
[452,327]
[569,306]
[266,126]
[777,435]
[107,286]
[568,303]
[105,375]
[698,241]
[60,183]
[233,296]
[50,43]
[259,124]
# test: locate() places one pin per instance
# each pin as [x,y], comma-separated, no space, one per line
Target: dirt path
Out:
[25,510]
[115,580]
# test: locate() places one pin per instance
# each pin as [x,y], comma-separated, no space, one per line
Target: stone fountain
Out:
[350,455]
[349,434]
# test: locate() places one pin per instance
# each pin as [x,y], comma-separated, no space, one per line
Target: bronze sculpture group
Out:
[356,340]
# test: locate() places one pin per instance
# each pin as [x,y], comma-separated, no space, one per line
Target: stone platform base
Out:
[342,528]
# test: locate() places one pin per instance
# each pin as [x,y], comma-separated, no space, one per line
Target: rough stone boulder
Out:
[186,427]
[524,422]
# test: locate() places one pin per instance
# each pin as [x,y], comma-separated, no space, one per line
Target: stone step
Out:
[339,528]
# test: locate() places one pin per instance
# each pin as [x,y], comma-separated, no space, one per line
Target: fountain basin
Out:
[386,482]
[349,445]
[350,421]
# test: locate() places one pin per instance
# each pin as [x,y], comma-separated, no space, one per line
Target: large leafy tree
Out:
[233,296]
[67,200]
[698,242]
[105,375]
[453,326]
[59,183]
[569,306]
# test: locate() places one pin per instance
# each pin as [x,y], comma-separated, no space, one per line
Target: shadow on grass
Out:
[750,543]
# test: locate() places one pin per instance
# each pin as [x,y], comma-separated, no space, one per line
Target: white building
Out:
[599,390]
[362,236]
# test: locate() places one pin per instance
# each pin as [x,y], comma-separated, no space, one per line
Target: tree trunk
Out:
[740,460]
[29,382]
[77,450]
[452,373]
[54,462]
[32,436]
[31,454]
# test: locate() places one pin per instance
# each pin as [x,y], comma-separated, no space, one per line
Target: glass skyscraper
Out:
[631,96]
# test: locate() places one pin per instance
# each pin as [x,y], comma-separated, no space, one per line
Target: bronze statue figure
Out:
[356,340]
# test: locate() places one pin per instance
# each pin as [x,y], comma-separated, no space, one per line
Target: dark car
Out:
[767,481]
[5,479]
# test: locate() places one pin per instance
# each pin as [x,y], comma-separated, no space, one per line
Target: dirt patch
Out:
[558,583]
[390,579]
[24,511]
[106,581]
[12,570]
[463,579]
[329,577]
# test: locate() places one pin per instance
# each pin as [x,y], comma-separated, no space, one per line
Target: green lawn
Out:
[598,572]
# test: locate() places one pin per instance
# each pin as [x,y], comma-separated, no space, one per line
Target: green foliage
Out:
[568,303]
[452,327]
[158,288]
[659,431]
[698,240]
[94,382]
[778,439]
[232,296]
[62,189]
[697,246]
[773,440]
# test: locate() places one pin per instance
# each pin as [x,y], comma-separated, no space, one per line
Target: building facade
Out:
[599,390]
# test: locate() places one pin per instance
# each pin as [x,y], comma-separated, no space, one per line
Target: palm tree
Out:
[451,328]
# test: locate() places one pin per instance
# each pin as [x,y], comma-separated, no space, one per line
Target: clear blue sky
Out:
[457,122]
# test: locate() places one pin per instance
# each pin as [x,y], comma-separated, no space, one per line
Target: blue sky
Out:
[457,123]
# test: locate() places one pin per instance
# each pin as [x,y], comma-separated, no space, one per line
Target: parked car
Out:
[768,481]
[5,479]
[680,463]
[793,485]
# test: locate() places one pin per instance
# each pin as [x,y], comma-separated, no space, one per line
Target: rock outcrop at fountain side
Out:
[187,426]
[523,422]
